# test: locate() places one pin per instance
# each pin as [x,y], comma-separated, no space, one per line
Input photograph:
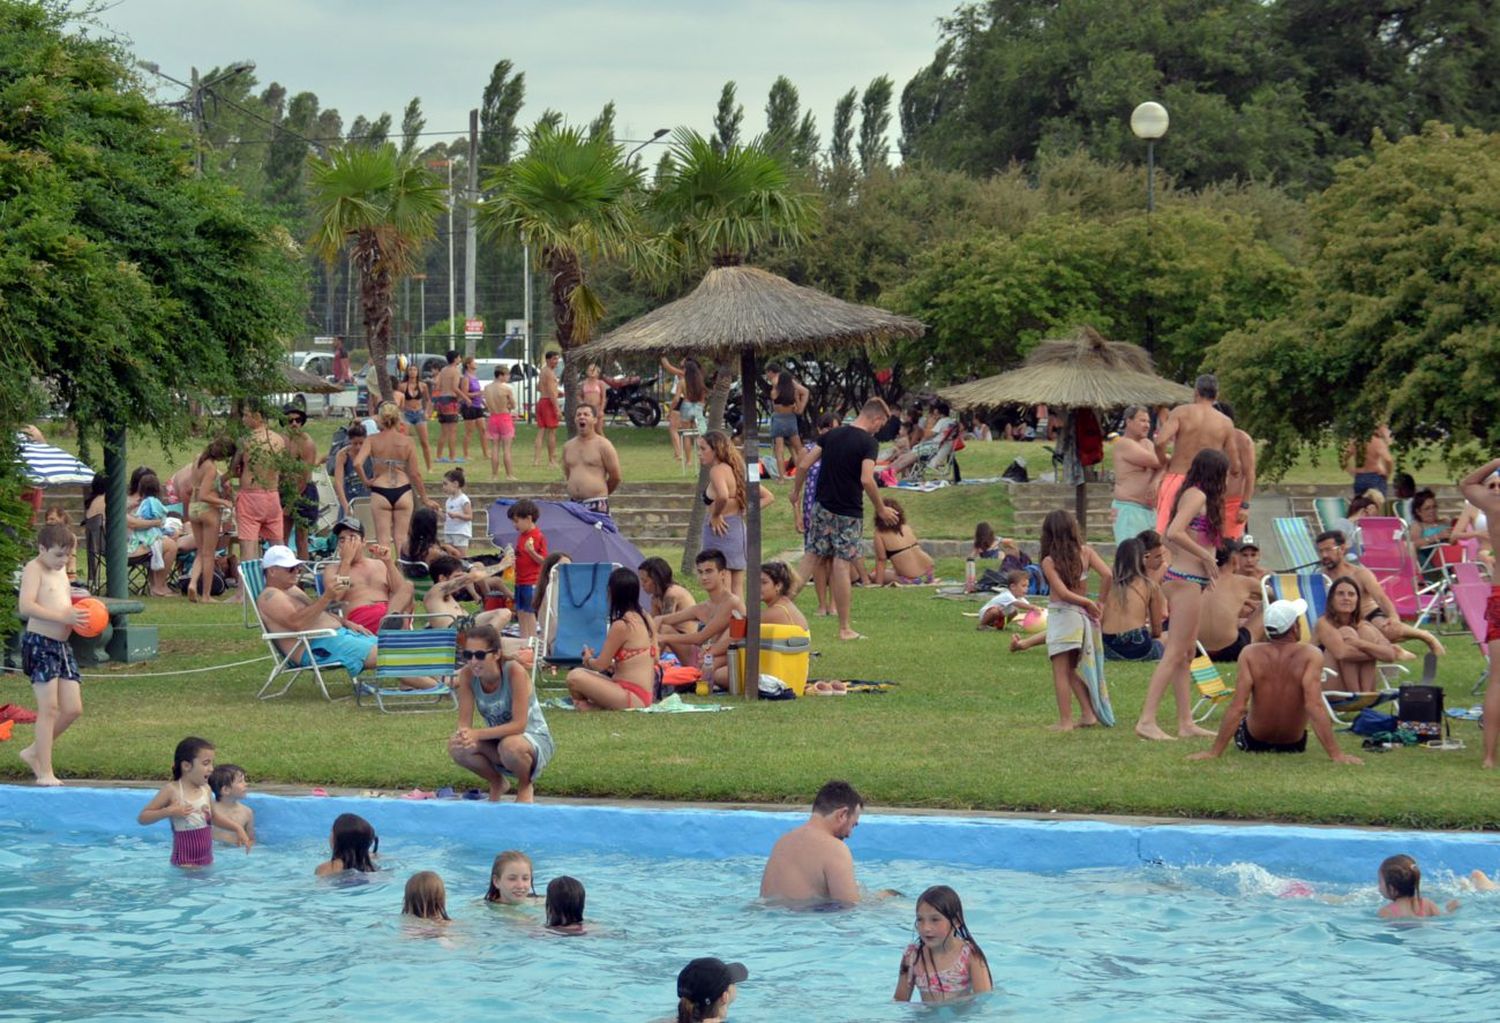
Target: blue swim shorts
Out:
[349,648]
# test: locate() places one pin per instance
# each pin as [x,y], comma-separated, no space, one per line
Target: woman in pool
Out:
[565,898]
[624,672]
[187,801]
[897,543]
[1401,883]
[426,898]
[1351,647]
[667,597]
[945,962]
[1134,611]
[352,845]
[777,584]
[415,398]
[510,880]
[1193,538]
[706,989]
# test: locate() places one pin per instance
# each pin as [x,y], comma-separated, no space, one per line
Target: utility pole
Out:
[471,226]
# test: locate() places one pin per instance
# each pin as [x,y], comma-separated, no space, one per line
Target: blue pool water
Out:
[1080,920]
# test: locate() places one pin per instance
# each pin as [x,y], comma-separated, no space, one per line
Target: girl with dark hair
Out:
[777,584]
[724,525]
[564,909]
[187,801]
[145,521]
[667,597]
[422,542]
[1194,535]
[986,543]
[1133,616]
[1351,647]
[897,543]
[348,483]
[945,962]
[788,399]
[210,500]
[414,397]
[352,845]
[623,675]
[1073,619]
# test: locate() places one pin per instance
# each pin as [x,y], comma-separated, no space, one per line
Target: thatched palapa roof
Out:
[1081,371]
[301,380]
[738,307]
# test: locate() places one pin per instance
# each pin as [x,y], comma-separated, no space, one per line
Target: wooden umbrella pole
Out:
[749,378]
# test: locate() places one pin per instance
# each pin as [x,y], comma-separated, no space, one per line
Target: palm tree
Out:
[384,207]
[572,199]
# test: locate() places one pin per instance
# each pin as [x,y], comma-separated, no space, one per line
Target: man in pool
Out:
[1280,681]
[811,863]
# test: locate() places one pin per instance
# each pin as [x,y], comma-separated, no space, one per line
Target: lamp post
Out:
[1149,121]
[658,133]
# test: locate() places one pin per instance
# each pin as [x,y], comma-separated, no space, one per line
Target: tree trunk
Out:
[718,397]
[375,289]
[567,274]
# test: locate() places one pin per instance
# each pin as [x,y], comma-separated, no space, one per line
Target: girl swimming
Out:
[1401,883]
[510,879]
[426,898]
[352,845]
[187,800]
[565,898]
[945,962]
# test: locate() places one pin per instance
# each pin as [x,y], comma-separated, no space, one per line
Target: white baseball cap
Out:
[1283,615]
[280,556]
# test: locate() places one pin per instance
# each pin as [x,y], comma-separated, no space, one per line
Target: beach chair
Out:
[411,653]
[299,658]
[1309,586]
[1212,690]
[576,614]
[1389,557]
[1399,507]
[419,575]
[1295,543]
[1329,510]
[1473,603]
[1344,707]
[940,462]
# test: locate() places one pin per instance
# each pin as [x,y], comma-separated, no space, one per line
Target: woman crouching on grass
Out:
[1072,618]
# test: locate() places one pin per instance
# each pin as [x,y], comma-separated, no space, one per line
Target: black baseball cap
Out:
[349,524]
[704,981]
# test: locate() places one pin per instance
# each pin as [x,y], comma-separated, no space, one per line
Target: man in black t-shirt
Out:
[838,515]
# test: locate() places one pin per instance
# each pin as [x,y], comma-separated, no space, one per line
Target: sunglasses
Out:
[475,655]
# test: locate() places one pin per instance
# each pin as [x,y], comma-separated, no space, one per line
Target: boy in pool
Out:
[229,787]
[46,602]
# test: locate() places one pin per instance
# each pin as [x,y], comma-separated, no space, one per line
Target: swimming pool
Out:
[1081,920]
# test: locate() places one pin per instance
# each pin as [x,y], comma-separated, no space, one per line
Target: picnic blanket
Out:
[673,704]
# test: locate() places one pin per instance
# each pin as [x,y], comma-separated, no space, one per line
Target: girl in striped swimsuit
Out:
[187,800]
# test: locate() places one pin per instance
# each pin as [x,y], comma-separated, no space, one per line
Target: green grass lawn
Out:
[964,728]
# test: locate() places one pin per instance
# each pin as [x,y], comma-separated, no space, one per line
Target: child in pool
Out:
[1401,883]
[1482,882]
[229,787]
[510,880]
[187,801]
[565,897]
[945,961]
[426,898]
[352,845]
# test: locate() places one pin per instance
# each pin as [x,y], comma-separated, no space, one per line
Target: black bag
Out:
[1420,709]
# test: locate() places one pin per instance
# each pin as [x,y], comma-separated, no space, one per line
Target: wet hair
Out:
[659,572]
[456,476]
[835,796]
[727,454]
[565,898]
[354,843]
[781,576]
[219,449]
[498,867]
[55,534]
[1061,543]
[98,487]
[1418,499]
[1333,616]
[946,903]
[1402,876]
[1209,473]
[625,598]
[1206,386]
[387,415]
[1225,409]
[444,566]
[426,898]
[694,388]
[422,534]
[524,508]
[552,561]
[785,391]
[486,634]
[452,356]
[149,485]
[717,557]
[984,535]
[1336,535]
[883,527]
[186,752]
[223,776]
[1130,565]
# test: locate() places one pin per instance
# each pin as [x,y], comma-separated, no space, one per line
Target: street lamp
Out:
[1149,121]
[658,133]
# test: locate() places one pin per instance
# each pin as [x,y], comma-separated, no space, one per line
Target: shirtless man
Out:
[305,516]
[1477,492]
[1241,485]
[1376,606]
[811,863]
[1188,430]
[713,617]
[548,414]
[257,506]
[500,402]
[449,578]
[591,466]
[445,399]
[1370,463]
[285,608]
[1247,559]
[376,586]
[1280,681]
[1220,627]
[1135,468]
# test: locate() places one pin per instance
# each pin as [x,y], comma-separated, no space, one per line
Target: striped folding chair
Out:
[1296,543]
[411,653]
[1329,510]
[1212,690]
[1309,586]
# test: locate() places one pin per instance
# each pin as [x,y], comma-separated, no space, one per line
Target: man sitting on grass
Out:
[713,615]
[1280,682]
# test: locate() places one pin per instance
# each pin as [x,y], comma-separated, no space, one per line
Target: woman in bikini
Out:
[206,513]
[1194,534]
[592,390]
[910,565]
[777,584]
[471,407]
[414,396]
[349,483]
[666,596]
[1133,614]
[623,674]
[724,525]
[396,474]
[1351,647]
[788,399]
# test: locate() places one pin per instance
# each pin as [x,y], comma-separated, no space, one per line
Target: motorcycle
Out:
[632,397]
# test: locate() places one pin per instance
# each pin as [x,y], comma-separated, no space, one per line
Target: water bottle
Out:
[969,576]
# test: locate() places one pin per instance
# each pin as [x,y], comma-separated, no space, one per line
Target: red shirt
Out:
[528,572]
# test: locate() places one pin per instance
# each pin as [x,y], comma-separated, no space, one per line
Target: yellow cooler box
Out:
[785,652]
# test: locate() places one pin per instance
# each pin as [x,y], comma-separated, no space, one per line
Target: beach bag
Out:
[1420,709]
[1373,722]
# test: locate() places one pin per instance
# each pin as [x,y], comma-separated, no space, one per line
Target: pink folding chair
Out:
[1388,554]
[1473,604]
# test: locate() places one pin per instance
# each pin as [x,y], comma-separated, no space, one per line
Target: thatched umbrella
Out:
[740,310]
[294,379]
[1083,371]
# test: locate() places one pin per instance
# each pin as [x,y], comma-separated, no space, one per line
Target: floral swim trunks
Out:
[45,659]
[834,536]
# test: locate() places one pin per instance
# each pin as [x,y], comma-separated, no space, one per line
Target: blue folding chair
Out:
[402,653]
[576,615]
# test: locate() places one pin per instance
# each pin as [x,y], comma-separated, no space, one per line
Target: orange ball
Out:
[98,617]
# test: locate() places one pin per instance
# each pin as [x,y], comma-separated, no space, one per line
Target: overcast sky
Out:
[661,61]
